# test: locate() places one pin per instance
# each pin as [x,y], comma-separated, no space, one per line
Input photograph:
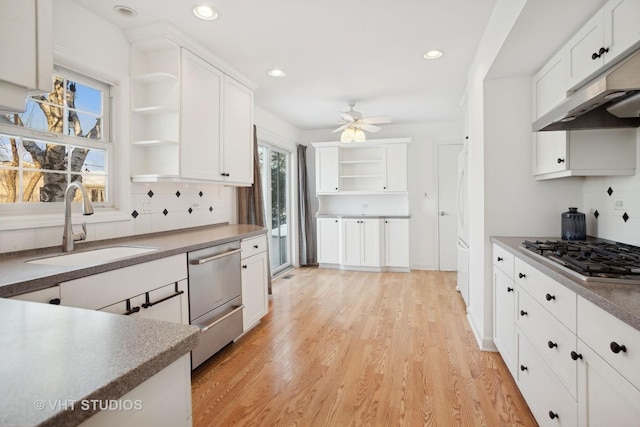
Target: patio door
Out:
[275,173]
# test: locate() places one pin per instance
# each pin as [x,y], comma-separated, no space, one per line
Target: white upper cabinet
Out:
[191,121]
[602,40]
[327,166]
[200,112]
[26,54]
[237,133]
[367,168]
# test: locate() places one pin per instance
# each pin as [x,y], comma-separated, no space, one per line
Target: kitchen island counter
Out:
[618,299]
[58,362]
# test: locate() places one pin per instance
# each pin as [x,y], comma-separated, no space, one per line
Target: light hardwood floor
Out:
[349,349]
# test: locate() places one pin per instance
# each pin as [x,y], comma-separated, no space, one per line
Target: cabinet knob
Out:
[552,344]
[522,276]
[336,188]
[594,56]
[55,301]
[500,258]
[244,266]
[224,174]
[617,348]
[255,246]
[523,368]
[336,220]
[549,297]
[560,160]
[384,188]
[553,415]
[603,50]
[575,356]
[523,313]
[509,289]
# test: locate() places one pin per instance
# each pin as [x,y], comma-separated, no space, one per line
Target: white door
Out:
[447,206]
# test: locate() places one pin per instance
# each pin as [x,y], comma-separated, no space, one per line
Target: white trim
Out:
[362,144]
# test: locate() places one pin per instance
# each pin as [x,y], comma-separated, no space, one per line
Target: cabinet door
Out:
[237,131]
[254,289]
[581,49]
[549,85]
[370,243]
[328,240]
[550,152]
[621,28]
[327,169]
[396,167]
[168,303]
[351,242]
[200,119]
[504,308]
[47,296]
[606,397]
[396,242]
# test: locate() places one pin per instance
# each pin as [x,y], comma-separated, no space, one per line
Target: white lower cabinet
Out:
[361,241]
[504,317]
[606,397]
[165,399]
[255,272]
[328,232]
[47,296]
[550,403]
[396,243]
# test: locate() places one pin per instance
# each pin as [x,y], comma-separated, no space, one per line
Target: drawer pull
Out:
[552,344]
[148,303]
[131,310]
[523,368]
[500,258]
[576,356]
[522,276]
[523,313]
[553,415]
[244,266]
[214,257]
[509,289]
[55,301]
[617,348]
[255,246]
[549,297]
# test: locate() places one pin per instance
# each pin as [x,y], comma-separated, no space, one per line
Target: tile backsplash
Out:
[154,207]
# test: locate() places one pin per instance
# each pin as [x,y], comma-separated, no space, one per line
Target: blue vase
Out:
[573,225]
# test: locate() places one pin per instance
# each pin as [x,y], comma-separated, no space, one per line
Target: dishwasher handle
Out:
[214,323]
[214,257]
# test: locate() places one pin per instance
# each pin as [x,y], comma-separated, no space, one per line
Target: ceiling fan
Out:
[354,125]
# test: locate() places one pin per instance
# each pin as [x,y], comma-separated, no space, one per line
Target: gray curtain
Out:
[306,236]
[251,202]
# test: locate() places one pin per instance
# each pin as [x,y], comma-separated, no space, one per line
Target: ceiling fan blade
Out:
[377,120]
[347,117]
[341,128]
[369,128]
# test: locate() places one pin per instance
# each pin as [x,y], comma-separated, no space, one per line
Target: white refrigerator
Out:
[463,221]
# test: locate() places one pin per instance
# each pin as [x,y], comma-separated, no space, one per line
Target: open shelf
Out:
[361,176]
[154,109]
[155,142]
[355,162]
[156,77]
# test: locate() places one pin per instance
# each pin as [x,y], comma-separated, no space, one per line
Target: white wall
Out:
[422,179]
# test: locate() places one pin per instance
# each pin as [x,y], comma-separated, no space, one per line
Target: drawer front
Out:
[253,246]
[557,299]
[47,296]
[103,289]
[548,400]
[553,340]
[604,334]
[503,260]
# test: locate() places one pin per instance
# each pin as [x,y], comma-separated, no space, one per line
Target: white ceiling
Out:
[367,51]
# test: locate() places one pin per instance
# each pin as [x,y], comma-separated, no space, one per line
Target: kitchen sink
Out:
[96,256]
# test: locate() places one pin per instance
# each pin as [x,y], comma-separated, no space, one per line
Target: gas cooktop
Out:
[595,260]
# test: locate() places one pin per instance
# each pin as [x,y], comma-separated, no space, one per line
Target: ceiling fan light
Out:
[359,135]
[433,54]
[205,12]
[347,135]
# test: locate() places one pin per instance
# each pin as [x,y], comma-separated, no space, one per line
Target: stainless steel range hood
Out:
[611,100]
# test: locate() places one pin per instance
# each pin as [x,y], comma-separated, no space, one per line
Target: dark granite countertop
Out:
[619,299]
[61,354]
[18,277]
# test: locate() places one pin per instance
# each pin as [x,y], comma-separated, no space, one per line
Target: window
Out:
[63,136]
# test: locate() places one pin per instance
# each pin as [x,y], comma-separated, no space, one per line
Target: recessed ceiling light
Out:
[276,72]
[433,54]
[124,11]
[205,12]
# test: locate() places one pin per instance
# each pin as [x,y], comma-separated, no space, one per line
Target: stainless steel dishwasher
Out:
[215,298]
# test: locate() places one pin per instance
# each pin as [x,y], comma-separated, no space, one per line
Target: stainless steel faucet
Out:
[68,236]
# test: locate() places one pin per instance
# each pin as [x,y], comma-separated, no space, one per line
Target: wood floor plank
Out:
[351,348]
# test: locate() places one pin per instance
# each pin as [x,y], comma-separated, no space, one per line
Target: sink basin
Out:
[96,256]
